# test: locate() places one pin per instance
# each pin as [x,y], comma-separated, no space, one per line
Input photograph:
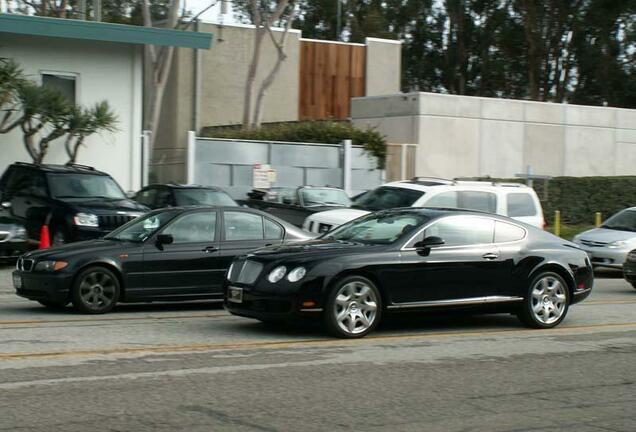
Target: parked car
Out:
[177,195]
[629,268]
[509,199]
[295,204]
[179,253]
[13,237]
[76,202]
[609,244]
[412,259]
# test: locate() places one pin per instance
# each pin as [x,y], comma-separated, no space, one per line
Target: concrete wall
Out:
[104,71]
[459,136]
[384,66]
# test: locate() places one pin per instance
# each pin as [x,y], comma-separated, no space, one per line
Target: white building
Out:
[89,62]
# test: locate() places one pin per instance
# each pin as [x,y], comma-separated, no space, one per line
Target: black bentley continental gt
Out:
[173,254]
[412,259]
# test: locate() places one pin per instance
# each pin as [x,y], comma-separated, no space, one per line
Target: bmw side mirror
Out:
[423,247]
[164,239]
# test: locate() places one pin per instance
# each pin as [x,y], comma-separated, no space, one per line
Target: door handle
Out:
[490,256]
[209,249]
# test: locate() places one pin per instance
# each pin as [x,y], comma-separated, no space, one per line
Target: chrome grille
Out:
[245,272]
[110,222]
[592,243]
[25,265]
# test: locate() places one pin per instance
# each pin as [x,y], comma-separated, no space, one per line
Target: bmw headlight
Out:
[296,274]
[50,266]
[617,244]
[86,219]
[277,274]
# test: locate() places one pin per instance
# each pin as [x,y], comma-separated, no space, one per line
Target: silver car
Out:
[609,244]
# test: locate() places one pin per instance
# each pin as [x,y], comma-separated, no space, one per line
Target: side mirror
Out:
[6,205]
[423,247]
[164,239]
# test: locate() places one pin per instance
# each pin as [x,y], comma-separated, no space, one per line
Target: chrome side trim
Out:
[579,292]
[312,310]
[456,302]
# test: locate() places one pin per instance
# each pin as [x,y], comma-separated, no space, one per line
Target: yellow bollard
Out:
[597,219]
[557,223]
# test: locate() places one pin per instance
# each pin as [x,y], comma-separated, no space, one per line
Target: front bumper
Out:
[54,287]
[605,257]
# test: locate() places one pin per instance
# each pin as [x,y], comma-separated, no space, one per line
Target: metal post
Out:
[338,19]
[404,150]
[97,10]
[346,166]
[529,180]
[82,10]
[557,223]
[145,158]
[192,141]
[597,219]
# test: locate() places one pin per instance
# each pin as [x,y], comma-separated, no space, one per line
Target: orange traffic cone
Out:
[45,240]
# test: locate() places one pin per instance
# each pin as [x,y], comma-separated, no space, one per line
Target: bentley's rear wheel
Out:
[353,308]
[546,302]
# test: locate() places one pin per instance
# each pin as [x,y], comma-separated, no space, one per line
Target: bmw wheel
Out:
[353,308]
[547,301]
[96,290]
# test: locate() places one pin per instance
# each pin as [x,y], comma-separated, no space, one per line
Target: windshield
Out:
[624,220]
[138,230]
[187,197]
[384,198]
[326,196]
[84,186]
[378,228]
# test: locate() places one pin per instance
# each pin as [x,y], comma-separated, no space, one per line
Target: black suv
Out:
[158,196]
[76,201]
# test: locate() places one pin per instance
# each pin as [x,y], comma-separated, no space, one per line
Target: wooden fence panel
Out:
[330,75]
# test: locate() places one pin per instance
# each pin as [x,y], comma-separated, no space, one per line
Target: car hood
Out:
[309,248]
[605,235]
[339,216]
[102,206]
[92,247]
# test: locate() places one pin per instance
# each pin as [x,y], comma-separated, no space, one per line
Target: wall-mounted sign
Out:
[263,176]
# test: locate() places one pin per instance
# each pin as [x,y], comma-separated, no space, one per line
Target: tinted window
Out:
[141,228]
[379,228]
[26,182]
[193,227]
[146,197]
[326,196]
[273,231]
[163,198]
[84,186]
[505,232]
[445,199]
[388,197]
[243,226]
[521,204]
[470,200]
[186,197]
[462,230]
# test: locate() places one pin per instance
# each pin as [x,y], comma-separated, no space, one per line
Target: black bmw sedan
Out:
[165,255]
[412,259]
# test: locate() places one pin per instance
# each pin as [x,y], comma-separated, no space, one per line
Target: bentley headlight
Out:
[617,244]
[86,219]
[296,274]
[277,274]
[50,266]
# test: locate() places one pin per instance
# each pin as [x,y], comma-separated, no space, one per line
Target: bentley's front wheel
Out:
[353,308]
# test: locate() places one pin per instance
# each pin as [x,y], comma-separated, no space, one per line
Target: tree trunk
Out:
[251,72]
[76,146]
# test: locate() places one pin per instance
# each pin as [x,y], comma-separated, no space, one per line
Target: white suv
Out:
[515,200]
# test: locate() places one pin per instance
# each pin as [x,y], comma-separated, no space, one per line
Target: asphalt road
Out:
[196,368]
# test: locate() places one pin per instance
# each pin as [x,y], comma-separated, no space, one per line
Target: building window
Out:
[65,83]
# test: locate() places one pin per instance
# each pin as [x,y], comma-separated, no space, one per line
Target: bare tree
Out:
[263,21]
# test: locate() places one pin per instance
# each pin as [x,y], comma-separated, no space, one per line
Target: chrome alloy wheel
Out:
[97,290]
[549,300]
[355,307]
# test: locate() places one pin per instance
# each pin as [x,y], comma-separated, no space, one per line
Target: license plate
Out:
[235,295]
[17,281]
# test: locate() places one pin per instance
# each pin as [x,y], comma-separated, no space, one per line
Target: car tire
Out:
[634,285]
[96,290]
[52,304]
[546,302]
[353,308]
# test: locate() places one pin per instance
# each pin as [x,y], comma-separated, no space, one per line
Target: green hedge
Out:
[578,198]
[331,132]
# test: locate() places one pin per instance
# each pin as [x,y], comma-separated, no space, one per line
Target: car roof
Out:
[436,212]
[425,184]
[183,186]
[62,169]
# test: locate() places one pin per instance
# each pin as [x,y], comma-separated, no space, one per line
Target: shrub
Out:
[330,132]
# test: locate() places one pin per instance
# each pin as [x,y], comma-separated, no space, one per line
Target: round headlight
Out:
[277,274]
[296,274]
